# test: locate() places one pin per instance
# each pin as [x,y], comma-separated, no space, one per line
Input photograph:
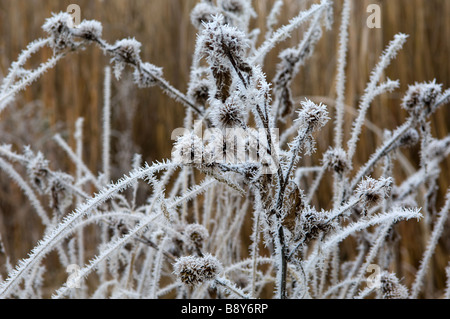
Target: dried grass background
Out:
[147,117]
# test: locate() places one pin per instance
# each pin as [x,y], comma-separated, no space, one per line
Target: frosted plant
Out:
[187,239]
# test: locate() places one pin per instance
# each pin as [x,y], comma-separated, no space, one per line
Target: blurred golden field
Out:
[147,117]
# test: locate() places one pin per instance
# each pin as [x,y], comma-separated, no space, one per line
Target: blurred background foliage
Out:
[144,119]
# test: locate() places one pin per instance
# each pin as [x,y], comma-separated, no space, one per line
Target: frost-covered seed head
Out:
[145,77]
[312,223]
[221,40]
[410,138]
[252,172]
[58,27]
[392,288]
[421,97]
[237,7]
[196,270]
[196,235]
[372,191]
[127,50]
[228,114]
[90,29]
[199,91]
[203,13]
[336,159]
[57,23]
[312,115]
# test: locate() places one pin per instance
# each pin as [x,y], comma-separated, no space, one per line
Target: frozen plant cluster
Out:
[188,239]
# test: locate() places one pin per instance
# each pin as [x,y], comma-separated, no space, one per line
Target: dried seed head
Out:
[228,114]
[196,270]
[336,159]
[57,22]
[196,235]
[89,29]
[237,7]
[312,223]
[410,138]
[392,288]
[145,77]
[211,267]
[312,116]
[199,91]
[220,41]
[421,98]
[373,191]
[203,13]
[127,50]
[251,171]
[58,27]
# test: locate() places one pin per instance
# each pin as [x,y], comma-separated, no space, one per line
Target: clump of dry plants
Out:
[230,165]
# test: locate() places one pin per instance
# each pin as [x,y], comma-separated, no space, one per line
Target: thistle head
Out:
[199,91]
[420,98]
[237,7]
[312,223]
[391,287]
[373,191]
[203,13]
[193,271]
[59,29]
[312,116]
[57,23]
[127,50]
[221,40]
[228,114]
[196,236]
[89,29]
[336,159]
[409,139]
